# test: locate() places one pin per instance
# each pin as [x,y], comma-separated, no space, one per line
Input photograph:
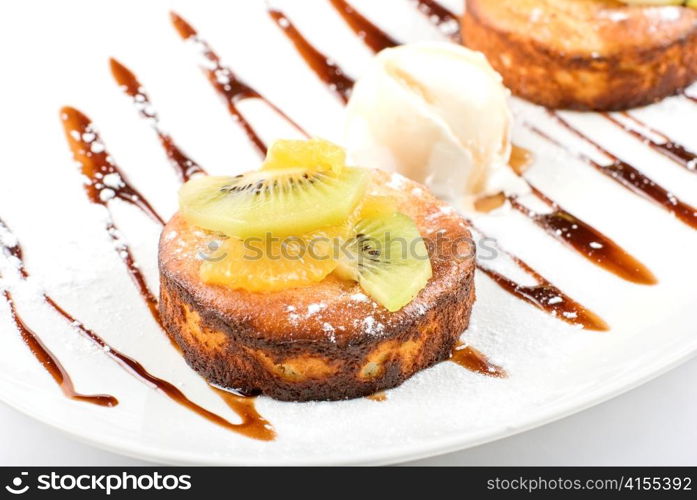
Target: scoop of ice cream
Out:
[437,113]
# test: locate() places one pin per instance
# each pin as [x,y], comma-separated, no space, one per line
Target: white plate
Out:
[56,54]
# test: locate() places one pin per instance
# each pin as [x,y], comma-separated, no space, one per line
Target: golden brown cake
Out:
[329,340]
[585,54]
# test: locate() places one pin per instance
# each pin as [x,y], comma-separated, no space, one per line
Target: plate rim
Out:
[396,455]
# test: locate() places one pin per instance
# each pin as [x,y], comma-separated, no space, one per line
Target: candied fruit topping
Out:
[313,154]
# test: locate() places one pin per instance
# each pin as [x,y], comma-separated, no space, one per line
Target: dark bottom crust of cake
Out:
[230,354]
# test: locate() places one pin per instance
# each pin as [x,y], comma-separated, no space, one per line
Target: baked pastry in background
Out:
[586,54]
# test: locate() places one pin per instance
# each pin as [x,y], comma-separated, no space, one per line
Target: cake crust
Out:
[327,341]
[586,54]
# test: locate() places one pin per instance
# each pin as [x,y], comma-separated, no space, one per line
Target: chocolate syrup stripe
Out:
[471,359]
[127,80]
[676,152]
[626,175]
[586,240]
[371,35]
[42,353]
[326,69]
[228,85]
[50,362]
[106,180]
[543,295]
[547,297]
[253,425]
[575,233]
[376,39]
[81,135]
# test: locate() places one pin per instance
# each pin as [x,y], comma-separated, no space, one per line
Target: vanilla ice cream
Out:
[437,113]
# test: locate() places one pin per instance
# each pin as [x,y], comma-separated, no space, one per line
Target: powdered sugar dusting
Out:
[330,331]
[313,309]
[371,326]
[397,181]
[360,297]
[113,180]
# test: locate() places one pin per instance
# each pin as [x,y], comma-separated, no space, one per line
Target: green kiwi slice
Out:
[281,202]
[388,258]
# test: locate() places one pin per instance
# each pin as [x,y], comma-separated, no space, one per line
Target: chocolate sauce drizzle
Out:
[324,67]
[586,240]
[51,363]
[228,85]
[676,152]
[42,353]
[106,179]
[127,80]
[253,425]
[82,136]
[547,297]
[470,358]
[376,39]
[577,234]
[627,176]
[371,35]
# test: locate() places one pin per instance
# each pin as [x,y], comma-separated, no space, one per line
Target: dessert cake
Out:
[314,328]
[586,54]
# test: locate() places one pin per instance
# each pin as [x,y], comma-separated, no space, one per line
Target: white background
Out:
[651,425]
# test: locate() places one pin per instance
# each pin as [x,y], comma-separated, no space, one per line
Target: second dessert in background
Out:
[587,54]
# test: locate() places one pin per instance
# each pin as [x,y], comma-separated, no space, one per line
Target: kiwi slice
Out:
[278,202]
[388,258]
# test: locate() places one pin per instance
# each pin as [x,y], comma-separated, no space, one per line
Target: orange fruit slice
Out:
[272,264]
